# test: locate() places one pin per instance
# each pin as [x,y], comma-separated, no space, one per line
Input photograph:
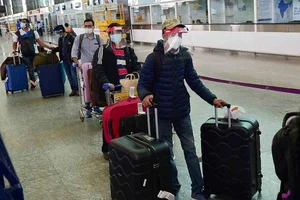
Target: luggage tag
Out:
[165,195]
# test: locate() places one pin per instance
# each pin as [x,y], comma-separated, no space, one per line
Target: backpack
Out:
[284,157]
[27,42]
[80,43]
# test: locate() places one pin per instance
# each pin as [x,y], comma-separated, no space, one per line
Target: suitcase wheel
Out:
[27,89]
[6,92]
[12,92]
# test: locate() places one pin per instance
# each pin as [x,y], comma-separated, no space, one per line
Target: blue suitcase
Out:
[16,77]
[51,80]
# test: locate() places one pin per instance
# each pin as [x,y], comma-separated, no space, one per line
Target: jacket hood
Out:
[160,47]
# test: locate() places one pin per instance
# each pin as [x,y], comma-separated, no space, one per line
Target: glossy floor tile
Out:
[58,157]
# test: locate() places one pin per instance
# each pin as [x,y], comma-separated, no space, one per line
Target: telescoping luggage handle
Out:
[14,58]
[156,121]
[228,111]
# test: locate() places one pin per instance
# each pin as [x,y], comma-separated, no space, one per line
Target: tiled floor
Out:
[58,157]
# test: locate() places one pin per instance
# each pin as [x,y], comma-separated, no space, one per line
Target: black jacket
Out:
[107,72]
[70,40]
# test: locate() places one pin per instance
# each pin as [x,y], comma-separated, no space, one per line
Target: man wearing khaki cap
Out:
[162,81]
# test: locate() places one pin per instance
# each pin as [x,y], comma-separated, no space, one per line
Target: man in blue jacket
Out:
[162,81]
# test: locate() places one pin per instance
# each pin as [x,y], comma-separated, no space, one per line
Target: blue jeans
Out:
[183,128]
[28,61]
[71,74]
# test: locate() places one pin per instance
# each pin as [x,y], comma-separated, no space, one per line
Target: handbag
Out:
[129,81]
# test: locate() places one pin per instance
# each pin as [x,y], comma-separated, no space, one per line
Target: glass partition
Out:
[232,11]
[162,12]
[141,15]
[193,12]
[80,19]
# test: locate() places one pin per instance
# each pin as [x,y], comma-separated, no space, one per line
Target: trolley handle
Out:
[118,86]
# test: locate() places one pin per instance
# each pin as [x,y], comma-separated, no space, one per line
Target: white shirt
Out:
[15,37]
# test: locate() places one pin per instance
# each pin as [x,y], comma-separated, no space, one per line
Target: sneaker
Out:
[32,87]
[97,110]
[73,93]
[88,113]
[105,155]
[198,197]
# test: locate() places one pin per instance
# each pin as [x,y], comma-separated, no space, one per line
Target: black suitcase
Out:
[139,166]
[133,124]
[231,157]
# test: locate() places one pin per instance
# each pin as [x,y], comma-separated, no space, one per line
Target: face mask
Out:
[116,38]
[23,25]
[174,42]
[58,35]
[88,30]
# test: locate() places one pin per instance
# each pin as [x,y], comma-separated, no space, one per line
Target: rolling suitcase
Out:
[139,167]
[51,80]
[112,114]
[231,157]
[16,79]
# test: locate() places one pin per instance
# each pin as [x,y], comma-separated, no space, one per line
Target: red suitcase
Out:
[112,114]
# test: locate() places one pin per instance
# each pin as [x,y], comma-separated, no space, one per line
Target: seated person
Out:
[112,62]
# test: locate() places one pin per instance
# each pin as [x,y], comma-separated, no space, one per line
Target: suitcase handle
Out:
[156,121]
[14,58]
[229,114]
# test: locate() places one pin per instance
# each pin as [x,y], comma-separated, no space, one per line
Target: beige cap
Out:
[171,23]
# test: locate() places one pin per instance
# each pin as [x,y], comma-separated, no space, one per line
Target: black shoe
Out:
[105,155]
[77,93]
[73,93]
[32,87]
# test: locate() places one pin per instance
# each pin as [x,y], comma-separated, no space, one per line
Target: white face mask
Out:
[116,38]
[173,43]
[88,30]
[23,25]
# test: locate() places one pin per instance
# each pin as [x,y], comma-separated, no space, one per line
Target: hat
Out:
[171,23]
[59,28]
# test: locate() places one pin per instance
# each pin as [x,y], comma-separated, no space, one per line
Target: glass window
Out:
[232,11]
[193,12]
[80,18]
[162,12]
[278,11]
[141,15]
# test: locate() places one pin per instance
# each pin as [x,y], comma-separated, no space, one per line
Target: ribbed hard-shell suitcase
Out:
[51,80]
[139,167]
[231,157]
[16,77]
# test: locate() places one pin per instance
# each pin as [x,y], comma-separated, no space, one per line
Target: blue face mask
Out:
[116,38]
[58,35]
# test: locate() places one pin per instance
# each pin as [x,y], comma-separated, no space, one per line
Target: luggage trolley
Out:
[108,95]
